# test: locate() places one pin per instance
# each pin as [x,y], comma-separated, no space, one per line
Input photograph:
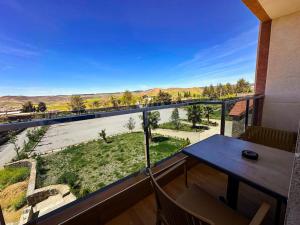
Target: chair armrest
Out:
[260,214]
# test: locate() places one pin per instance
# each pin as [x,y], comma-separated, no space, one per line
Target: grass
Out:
[10,176]
[89,166]
[183,127]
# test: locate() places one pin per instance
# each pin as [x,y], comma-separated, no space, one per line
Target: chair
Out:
[196,207]
[280,139]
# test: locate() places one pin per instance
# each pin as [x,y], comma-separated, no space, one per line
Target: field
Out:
[89,166]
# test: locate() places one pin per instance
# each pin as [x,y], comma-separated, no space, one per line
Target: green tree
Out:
[102,135]
[211,92]
[114,101]
[28,107]
[127,98]
[229,89]
[12,139]
[194,114]
[219,90]
[153,119]
[163,97]
[41,107]
[130,125]
[95,104]
[77,103]
[178,98]
[242,86]
[205,92]
[208,110]
[175,118]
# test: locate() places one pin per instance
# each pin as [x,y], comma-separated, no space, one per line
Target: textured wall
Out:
[293,207]
[282,102]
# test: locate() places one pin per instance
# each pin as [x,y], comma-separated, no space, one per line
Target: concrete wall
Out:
[282,102]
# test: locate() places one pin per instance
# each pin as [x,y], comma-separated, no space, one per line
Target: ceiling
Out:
[279,8]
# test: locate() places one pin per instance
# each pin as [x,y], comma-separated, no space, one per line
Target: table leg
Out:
[232,192]
[278,211]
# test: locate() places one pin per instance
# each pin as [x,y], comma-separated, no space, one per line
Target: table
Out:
[270,174]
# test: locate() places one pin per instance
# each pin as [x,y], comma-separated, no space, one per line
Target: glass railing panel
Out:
[181,126]
[235,118]
[81,156]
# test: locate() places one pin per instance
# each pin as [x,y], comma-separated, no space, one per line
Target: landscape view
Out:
[63,61]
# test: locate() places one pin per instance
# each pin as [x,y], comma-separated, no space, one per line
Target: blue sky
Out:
[90,46]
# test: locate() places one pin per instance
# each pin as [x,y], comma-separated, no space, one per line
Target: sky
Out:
[54,47]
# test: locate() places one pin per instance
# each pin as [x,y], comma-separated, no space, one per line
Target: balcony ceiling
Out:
[279,8]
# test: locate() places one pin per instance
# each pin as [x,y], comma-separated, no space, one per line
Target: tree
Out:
[127,98]
[205,92]
[208,110]
[41,107]
[219,90]
[153,119]
[242,86]
[163,97]
[175,118]
[28,107]
[77,103]
[229,89]
[102,135]
[194,114]
[178,98]
[212,92]
[12,139]
[95,104]
[130,125]
[114,101]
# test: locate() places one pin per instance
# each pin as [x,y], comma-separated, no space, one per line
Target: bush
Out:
[19,202]
[68,178]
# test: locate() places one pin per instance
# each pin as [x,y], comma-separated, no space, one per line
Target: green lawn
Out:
[10,176]
[183,127]
[89,166]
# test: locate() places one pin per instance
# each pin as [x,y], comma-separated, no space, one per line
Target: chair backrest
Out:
[170,212]
[284,140]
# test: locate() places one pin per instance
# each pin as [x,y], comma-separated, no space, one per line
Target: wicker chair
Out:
[196,207]
[283,140]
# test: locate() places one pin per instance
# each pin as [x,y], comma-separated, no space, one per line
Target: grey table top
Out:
[271,172]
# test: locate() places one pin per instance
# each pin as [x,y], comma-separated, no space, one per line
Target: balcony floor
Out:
[211,180]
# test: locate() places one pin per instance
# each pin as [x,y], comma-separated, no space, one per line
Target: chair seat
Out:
[200,202]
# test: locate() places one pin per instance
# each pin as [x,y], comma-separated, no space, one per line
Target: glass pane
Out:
[235,118]
[80,157]
[179,127]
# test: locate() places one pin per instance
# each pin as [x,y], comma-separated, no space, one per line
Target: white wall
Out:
[282,102]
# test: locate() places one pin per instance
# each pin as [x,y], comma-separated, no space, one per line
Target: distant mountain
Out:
[10,103]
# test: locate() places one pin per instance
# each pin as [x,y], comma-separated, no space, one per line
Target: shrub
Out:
[19,202]
[68,178]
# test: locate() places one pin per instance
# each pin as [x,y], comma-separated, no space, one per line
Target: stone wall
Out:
[31,164]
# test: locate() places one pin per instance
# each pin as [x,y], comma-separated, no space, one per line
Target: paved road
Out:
[7,152]
[62,135]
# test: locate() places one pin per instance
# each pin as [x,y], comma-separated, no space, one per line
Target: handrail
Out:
[86,116]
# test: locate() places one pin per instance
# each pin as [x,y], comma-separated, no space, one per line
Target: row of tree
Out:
[214,92]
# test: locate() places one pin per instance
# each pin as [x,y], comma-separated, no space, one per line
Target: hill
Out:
[60,102]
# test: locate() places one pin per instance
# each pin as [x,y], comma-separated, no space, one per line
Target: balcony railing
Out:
[234,116]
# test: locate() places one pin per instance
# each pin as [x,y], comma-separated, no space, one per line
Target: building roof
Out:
[239,108]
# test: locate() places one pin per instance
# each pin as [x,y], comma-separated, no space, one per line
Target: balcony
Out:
[132,188]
